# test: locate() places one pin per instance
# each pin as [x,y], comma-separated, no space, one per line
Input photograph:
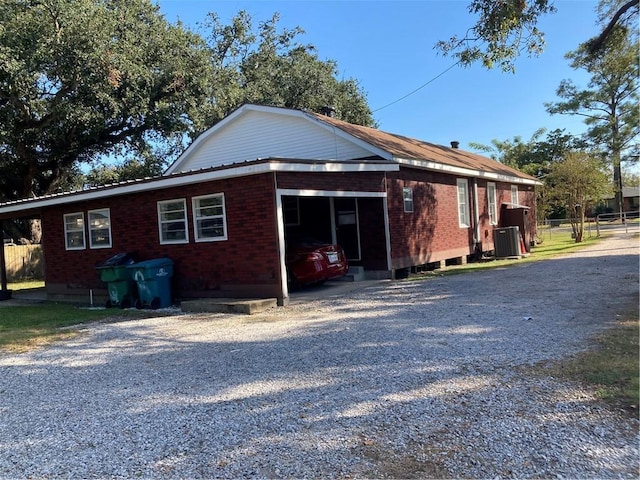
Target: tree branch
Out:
[597,43]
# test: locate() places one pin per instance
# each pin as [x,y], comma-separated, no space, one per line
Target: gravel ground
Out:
[404,379]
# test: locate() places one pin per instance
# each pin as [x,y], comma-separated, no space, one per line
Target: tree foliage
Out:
[80,79]
[577,183]
[270,67]
[85,80]
[613,14]
[536,157]
[503,31]
[507,29]
[609,103]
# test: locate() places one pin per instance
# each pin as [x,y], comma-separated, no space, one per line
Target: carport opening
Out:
[308,222]
[356,224]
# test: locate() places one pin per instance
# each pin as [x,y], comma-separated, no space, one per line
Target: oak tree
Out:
[507,29]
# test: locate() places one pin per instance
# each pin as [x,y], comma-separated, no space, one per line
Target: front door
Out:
[346,226]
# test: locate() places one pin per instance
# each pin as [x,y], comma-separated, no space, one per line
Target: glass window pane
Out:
[172,219]
[74,231]
[172,206]
[209,222]
[99,228]
[75,240]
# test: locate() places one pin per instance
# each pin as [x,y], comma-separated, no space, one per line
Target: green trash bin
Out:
[120,285]
[153,278]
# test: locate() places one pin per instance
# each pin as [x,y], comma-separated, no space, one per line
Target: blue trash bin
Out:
[154,282]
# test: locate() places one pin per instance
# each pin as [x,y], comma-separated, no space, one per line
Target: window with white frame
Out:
[491,199]
[514,194]
[407,199]
[74,231]
[463,202]
[172,221]
[100,228]
[209,222]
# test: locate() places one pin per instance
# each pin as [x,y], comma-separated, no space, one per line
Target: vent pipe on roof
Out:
[327,110]
[455,144]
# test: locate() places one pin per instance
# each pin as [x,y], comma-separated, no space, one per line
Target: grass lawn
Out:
[25,285]
[23,327]
[558,244]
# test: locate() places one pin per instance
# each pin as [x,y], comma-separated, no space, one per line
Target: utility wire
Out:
[417,89]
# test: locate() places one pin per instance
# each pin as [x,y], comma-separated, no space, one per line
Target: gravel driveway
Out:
[405,379]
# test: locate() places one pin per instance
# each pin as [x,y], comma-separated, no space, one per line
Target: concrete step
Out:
[354,274]
[248,306]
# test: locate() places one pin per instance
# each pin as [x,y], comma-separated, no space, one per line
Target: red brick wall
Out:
[503,195]
[432,232]
[347,181]
[249,258]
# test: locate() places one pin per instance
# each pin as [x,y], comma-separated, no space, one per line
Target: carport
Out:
[5,293]
[357,221]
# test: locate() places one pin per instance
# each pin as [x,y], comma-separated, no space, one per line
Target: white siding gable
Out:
[256,133]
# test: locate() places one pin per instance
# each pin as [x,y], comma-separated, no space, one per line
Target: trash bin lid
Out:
[123,258]
[153,263]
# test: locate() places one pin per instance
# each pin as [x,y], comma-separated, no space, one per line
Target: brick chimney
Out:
[328,111]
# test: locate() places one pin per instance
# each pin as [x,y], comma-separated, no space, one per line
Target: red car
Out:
[311,261]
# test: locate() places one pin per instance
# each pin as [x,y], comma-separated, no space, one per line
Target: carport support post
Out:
[5,294]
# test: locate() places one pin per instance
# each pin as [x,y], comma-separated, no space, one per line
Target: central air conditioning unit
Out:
[506,242]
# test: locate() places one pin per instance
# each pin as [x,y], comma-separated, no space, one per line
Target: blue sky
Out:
[388,47]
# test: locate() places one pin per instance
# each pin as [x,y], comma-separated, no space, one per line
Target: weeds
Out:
[612,367]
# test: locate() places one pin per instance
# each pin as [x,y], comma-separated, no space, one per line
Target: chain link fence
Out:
[629,222]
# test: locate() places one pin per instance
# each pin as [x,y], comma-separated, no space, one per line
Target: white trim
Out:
[91,245]
[387,231]
[514,188]
[332,220]
[194,209]
[476,212]
[329,193]
[463,182]
[186,222]
[181,180]
[492,185]
[404,204]
[467,172]
[281,247]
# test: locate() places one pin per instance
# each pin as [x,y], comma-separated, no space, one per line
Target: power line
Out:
[417,89]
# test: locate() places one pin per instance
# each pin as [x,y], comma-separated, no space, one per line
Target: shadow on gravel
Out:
[413,380]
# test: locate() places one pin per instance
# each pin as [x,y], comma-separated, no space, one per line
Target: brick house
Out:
[630,201]
[227,207]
